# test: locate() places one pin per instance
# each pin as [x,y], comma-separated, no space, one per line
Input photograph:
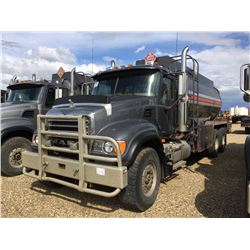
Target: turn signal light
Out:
[122,146]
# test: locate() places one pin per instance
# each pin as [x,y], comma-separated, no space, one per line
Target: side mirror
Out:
[245,81]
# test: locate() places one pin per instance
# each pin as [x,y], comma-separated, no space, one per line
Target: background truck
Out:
[245,87]
[139,125]
[241,114]
[27,99]
[4,95]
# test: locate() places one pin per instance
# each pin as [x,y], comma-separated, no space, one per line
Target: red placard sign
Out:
[60,72]
[150,58]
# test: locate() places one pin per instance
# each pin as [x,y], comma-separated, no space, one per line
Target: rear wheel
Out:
[213,151]
[11,155]
[143,181]
[222,140]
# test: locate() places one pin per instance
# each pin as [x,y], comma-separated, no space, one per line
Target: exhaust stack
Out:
[183,93]
[72,81]
[33,77]
[113,64]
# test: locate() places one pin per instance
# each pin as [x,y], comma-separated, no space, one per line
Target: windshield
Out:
[135,83]
[24,93]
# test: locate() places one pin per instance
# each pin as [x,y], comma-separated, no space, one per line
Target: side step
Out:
[179,164]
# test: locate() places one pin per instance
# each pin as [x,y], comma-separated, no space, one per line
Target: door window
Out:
[50,99]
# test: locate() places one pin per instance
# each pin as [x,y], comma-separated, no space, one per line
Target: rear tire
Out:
[213,151]
[222,139]
[11,155]
[143,181]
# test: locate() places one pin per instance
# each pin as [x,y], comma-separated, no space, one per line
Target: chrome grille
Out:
[66,125]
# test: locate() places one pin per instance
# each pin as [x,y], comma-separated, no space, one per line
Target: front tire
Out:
[11,155]
[143,181]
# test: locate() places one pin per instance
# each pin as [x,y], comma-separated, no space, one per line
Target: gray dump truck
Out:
[245,87]
[26,99]
[137,127]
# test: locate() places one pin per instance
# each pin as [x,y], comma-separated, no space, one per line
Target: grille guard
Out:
[87,169]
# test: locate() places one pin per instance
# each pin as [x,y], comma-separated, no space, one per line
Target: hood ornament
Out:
[72,104]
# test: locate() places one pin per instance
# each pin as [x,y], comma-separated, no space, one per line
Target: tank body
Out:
[204,99]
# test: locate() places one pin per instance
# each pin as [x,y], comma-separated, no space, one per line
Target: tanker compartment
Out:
[209,101]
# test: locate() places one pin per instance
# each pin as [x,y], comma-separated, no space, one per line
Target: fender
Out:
[135,132]
[12,125]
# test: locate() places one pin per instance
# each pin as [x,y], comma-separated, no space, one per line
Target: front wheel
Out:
[143,181]
[11,155]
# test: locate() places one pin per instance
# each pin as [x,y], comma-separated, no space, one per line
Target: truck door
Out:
[167,105]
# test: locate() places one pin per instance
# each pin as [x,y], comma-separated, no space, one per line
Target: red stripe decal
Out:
[202,99]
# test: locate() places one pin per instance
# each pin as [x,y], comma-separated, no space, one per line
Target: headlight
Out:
[109,147]
[106,147]
[35,139]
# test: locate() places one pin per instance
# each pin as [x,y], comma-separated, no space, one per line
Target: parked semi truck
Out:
[245,87]
[26,99]
[139,125]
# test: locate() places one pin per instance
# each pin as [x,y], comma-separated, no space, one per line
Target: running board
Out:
[179,164]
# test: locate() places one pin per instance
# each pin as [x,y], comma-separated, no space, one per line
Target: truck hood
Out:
[102,115]
[15,109]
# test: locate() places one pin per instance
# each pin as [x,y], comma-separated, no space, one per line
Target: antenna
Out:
[176,44]
[92,53]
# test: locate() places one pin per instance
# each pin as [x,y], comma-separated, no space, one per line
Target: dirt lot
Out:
[206,188]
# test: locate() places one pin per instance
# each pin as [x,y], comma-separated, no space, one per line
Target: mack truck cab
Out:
[245,87]
[137,127]
[27,99]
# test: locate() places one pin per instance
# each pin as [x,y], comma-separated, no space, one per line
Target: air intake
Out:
[28,113]
[148,112]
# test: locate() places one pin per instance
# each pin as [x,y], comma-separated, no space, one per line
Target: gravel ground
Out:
[206,188]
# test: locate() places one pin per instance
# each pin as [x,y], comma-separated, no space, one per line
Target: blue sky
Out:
[220,53]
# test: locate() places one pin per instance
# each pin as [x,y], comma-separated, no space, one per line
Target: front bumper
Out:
[88,169]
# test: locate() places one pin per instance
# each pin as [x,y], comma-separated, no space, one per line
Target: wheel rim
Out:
[149,180]
[223,140]
[15,158]
[216,144]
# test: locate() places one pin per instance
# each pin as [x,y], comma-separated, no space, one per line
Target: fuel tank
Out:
[204,99]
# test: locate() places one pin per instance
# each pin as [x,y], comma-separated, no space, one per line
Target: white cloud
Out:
[140,49]
[52,54]
[109,58]
[208,38]
[24,67]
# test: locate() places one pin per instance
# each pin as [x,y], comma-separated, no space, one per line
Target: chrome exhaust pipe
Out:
[72,81]
[33,77]
[183,93]
[112,64]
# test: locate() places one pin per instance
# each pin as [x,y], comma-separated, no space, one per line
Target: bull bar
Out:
[87,169]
